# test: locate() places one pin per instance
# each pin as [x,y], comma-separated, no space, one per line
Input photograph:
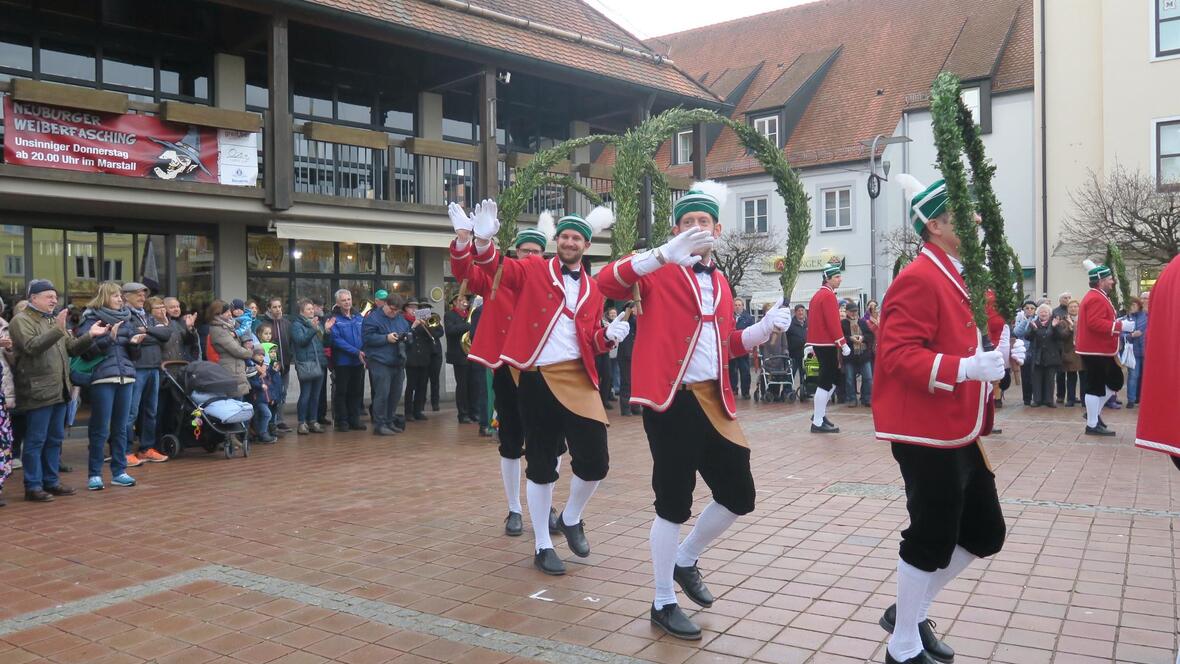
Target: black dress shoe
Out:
[693,585]
[673,621]
[1099,430]
[920,658]
[826,427]
[828,422]
[554,527]
[549,562]
[38,496]
[934,646]
[514,524]
[60,490]
[575,537]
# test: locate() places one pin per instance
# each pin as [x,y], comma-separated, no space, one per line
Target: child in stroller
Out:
[209,415]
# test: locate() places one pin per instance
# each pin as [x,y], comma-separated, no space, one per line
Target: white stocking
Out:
[912,585]
[580,492]
[960,560]
[510,473]
[820,406]
[1093,409]
[540,497]
[713,521]
[664,537]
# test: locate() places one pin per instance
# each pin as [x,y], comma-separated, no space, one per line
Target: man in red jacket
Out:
[825,335]
[690,419]
[1098,343]
[555,333]
[1158,427]
[486,347]
[931,402]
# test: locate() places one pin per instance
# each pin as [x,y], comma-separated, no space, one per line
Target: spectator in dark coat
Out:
[860,361]
[418,358]
[1045,335]
[1071,362]
[477,377]
[739,367]
[281,337]
[145,397]
[796,341]
[626,349]
[455,325]
[386,334]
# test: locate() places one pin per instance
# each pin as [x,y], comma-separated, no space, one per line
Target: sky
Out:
[651,18]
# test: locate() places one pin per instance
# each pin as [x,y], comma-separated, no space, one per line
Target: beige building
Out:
[1107,94]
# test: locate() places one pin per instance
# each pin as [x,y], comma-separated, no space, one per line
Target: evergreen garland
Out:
[992,220]
[1120,295]
[945,105]
[635,153]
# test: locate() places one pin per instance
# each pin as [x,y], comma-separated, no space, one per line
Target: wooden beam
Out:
[679,182]
[280,144]
[489,153]
[68,96]
[209,116]
[428,148]
[330,133]
[519,159]
[700,149]
[596,171]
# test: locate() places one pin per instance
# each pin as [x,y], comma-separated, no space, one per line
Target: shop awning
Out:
[301,230]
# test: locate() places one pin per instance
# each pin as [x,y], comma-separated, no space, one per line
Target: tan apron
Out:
[572,387]
[708,394]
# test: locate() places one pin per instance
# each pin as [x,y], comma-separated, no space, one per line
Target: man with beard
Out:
[690,416]
[555,334]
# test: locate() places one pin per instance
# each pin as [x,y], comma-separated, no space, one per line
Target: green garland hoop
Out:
[1120,295]
[952,137]
[635,153]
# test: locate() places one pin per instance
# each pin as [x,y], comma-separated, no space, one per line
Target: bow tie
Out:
[573,274]
[701,267]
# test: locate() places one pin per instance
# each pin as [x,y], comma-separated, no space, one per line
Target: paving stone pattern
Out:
[358,549]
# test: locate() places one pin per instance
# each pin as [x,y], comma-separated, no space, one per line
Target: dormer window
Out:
[978,98]
[767,125]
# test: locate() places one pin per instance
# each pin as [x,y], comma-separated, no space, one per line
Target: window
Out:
[971,99]
[1167,150]
[768,127]
[837,209]
[978,99]
[683,148]
[1167,28]
[754,215]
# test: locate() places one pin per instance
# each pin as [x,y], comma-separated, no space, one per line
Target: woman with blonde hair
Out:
[111,378]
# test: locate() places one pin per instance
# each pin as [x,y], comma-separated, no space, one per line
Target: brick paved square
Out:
[358,549]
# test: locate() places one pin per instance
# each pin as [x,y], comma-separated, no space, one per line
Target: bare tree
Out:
[735,253]
[1127,209]
[901,245]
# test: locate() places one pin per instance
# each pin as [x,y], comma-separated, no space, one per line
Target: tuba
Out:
[465,340]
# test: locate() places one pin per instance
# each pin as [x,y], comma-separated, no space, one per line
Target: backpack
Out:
[211,353]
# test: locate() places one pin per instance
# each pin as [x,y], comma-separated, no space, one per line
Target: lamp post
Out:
[874,186]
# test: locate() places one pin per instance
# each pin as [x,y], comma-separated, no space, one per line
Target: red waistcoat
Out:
[1098,331]
[540,300]
[497,312]
[1159,428]
[823,319]
[672,326]
[926,329]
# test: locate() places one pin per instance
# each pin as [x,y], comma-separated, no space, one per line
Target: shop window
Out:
[118,257]
[263,289]
[361,289]
[194,271]
[154,270]
[267,253]
[82,259]
[357,258]
[317,290]
[313,256]
[397,260]
[12,250]
[49,255]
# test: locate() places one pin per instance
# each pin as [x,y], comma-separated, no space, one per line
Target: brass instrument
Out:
[465,340]
[434,322]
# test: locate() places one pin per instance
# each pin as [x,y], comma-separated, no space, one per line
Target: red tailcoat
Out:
[926,330]
[1159,427]
[540,300]
[1098,331]
[823,319]
[497,312]
[672,325]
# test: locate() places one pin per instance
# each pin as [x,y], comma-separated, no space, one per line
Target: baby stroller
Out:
[194,425]
[774,380]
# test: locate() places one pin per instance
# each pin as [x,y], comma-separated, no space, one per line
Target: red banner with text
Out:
[131,145]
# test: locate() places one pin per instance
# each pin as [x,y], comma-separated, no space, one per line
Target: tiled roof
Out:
[791,79]
[891,50]
[571,15]
[728,80]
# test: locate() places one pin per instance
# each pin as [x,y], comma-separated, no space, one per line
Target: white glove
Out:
[987,367]
[1128,326]
[485,225]
[460,221]
[776,318]
[682,246]
[845,350]
[1018,351]
[618,328]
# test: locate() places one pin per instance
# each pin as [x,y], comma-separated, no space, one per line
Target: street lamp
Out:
[875,191]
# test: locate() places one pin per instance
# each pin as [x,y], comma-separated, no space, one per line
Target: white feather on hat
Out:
[547,225]
[1089,264]
[600,219]
[715,189]
[909,184]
